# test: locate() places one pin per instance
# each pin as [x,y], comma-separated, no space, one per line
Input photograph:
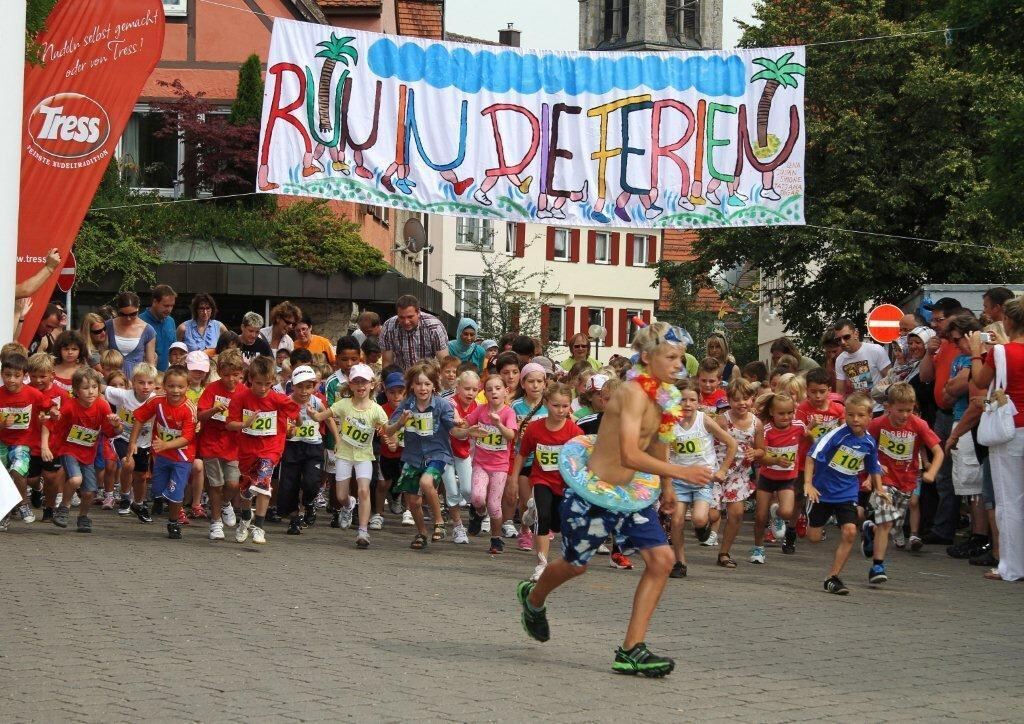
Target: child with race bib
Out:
[528,406]
[694,445]
[20,404]
[747,430]
[458,477]
[543,440]
[778,471]
[133,467]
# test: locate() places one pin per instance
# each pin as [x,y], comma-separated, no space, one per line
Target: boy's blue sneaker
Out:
[877,574]
[867,539]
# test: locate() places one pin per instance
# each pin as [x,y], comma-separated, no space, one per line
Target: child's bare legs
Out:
[363,493]
[678,523]
[509,500]
[429,492]
[733,522]
[525,493]
[764,501]
[787,498]
[196,483]
[915,514]
[846,541]
[881,539]
[414,503]
[699,516]
[380,492]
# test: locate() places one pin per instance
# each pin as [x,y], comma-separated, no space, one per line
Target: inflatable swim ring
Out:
[639,493]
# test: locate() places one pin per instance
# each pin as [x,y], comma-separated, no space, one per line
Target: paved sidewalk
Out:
[124,625]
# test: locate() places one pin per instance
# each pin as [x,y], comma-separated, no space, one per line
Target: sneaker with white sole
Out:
[108,501]
[376,521]
[508,530]
[345,518]
[216,530]
[777,523]
[27,516]
[75,500]
[899,538]
[712,539]
[459,535]
[320,501]
[407,518]
[258,536]
[604,550]
[242,531]
[757,554]
[395,505]
[538,572]
[227,515]
[530,516]
[485,525]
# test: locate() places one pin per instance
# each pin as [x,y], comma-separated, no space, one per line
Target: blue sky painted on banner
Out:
[506,71]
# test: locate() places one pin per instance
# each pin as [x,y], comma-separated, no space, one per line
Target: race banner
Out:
[681,140]
[96,56]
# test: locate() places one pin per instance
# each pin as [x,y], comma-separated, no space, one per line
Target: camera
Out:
[986,337]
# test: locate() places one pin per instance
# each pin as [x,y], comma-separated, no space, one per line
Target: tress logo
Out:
[69,125]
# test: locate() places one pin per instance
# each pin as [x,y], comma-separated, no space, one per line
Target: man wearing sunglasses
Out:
[158,316]
[861,364]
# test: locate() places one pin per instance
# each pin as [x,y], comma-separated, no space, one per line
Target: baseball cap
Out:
[361,372]
[178,345]
[597,382]
[197,361]
[488,344]
[303,373]
[394,379]
[946,305]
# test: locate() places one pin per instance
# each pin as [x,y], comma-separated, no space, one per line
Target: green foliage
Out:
[312,238]
[905,136]
[248,103]
[36,13]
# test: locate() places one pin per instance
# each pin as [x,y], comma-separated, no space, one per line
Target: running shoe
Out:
[376,521]
[778,524]
[538,571]
[174,531]
[535,621]
[603,550]
[182,518]
[525,542]
[345,518]
[362,540]
[242,531]
[876,574]
[124,505]
[198,512]
[108,501]
[395,505]
[769,537]
[75,500]
[485,525]
[334,519]
[640,660]
[801,525]
[497,546]
[309,517]
[272,515]
[407,518]
[678,570]
[711,541]
[899,538]
[227,515]
[258,536]
[216,530]
[27,516]
[36,497]
[789,543]
[508,530]
[867,539]
[294,527]
[620,561]
[836,586]
[60,516]
[47,515]
[459,534]
[757,554]
[530,516]
[475,521]
[142,513]
[321,500]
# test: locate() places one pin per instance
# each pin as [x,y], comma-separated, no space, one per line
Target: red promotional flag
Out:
[97,54]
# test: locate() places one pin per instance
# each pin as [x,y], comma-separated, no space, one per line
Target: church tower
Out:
[631,25]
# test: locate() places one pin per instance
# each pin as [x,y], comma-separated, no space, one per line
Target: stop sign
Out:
[66,279]
[884,323]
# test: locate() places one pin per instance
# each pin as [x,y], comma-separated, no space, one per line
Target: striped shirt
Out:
[424,341]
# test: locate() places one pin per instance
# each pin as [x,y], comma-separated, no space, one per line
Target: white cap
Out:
[178,345]
[303,373]
[361,372]
[597,382]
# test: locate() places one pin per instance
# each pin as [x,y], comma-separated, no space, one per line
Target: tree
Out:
[897,144]
[248,106]
[36,14]
[335,50]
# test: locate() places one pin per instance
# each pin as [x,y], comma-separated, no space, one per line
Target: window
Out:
[473,234]
[616,19]
[641,244]
[469,297]
[682,21]
[602,247]
[147,161]
[595,315]
[380,213]
[562,244]
[176,8]
[510,238]
[631,328]
[556,325]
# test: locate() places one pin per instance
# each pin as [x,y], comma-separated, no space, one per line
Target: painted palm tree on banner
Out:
[775,73]
[336,50]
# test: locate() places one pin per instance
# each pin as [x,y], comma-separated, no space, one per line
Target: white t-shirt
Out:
[863,368]
[125,403]
[286,341]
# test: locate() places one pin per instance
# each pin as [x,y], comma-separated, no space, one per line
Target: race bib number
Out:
[493,440]
[356,432]
[822,427]
[897,448]
[847,460]
[400,437]
[421,423]
[167,434]
[693,446]
[547,457]
[221,400]
[17,418]
[787,453]
[265,424]
[307,430]
[84,436]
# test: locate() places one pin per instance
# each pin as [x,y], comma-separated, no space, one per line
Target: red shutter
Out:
[613,240]
[623,328]
[570,323]
[652,251]
[647,316]
[574,245]
[551,244]
[545,320]
[629,249]
[585,321]
[521,239]
[609,323]
[591,246]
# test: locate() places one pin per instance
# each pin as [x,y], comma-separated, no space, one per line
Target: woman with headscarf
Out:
[465,346]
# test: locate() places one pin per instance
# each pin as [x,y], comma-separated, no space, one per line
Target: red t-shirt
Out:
[460,448]
[941,362]
[77,432]
[716,403]
[1014,377]
[266,436]
[899,449]
[385,451]
[57,398]
[214,439]
[545,445]
[785,443]
[818,422]
[169,423]
[24,407]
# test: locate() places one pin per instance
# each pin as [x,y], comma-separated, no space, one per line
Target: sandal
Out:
[438,533]
[992,574]
[419,542]
[726,561]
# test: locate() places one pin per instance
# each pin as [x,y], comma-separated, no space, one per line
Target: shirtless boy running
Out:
[628,455]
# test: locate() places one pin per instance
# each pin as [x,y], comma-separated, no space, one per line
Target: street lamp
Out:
[596,332]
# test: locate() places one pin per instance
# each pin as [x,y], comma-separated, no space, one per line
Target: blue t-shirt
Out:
[961,363]
[839,458]
[427,432]
[166,335]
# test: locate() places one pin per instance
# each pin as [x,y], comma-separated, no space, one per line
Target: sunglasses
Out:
[580,346]
[101,330]
[128,315]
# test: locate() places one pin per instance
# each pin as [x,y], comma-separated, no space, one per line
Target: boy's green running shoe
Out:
[535,623]
[640,660]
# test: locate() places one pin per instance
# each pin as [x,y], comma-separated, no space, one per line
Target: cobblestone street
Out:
[124,625]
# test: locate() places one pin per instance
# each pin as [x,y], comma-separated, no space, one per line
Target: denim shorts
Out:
[75,469]
[170,478]
[691,494]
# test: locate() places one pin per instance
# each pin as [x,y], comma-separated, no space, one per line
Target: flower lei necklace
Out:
[666,396]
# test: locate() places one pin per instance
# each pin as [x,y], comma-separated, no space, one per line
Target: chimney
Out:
[509,36]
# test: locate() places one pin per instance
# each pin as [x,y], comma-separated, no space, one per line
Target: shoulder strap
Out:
[999,381]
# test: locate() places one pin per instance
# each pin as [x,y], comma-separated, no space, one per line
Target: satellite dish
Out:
[414,235]
[596,331]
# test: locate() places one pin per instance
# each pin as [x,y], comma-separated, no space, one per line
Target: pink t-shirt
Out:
[491,451]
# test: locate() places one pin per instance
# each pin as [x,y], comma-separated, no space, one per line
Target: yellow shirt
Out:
[356,429]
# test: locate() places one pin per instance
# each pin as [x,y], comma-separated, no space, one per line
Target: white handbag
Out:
[996,424]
